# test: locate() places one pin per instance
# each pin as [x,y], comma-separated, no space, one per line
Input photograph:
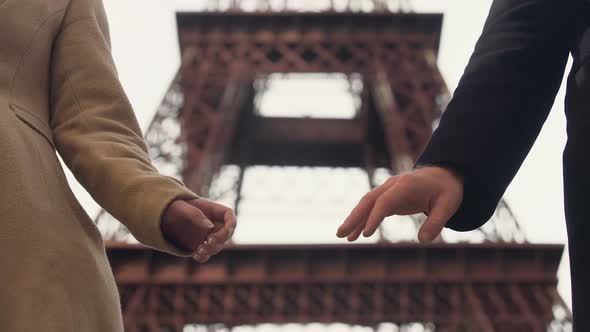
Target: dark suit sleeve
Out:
[502,101]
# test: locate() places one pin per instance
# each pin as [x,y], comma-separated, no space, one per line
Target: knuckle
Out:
[368,197]
[406,180]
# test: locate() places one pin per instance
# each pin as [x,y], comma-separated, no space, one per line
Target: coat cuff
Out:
[154,205]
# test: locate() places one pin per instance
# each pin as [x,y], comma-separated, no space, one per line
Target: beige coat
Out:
[59,92]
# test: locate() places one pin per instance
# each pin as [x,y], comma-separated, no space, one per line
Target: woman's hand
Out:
[200,226]
[435,191]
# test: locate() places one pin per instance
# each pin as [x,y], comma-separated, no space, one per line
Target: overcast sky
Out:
[145,49]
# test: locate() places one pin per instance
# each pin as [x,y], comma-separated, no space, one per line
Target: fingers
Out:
[218,213]
[224,218]
[405,197]
[198,226]
[357,217]
[431,190]
[210,248]
[217,241]
[384,206]
[441,211]
[361,211]
[221,236]
[356,233]
[203,254]
[213,210]
[203,225]
[200,220]
[185,225]
[230,222]
[194,214]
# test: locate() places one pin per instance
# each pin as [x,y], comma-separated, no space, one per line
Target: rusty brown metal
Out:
[446,285]
[393,53]
[268,6]
[208,120]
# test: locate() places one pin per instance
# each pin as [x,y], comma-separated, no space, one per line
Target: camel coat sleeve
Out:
[96,132]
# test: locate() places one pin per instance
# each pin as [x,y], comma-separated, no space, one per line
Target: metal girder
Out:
[208,120]
[487,286]
[301,142]
[407,127]
[316,43]
[306,131]
[273,6]
[205,118]
[393,52]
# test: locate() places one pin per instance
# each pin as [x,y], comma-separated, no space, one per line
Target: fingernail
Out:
[209,224]
[212,241]
[201,251]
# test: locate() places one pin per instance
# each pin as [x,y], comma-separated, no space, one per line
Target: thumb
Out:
[442,210]
[198,218]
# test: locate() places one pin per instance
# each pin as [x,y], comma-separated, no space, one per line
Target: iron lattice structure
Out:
[208,122]
[419,98]
[274,6]
[448,287]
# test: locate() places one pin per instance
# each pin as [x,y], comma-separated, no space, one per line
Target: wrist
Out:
[445,168]
[449,175]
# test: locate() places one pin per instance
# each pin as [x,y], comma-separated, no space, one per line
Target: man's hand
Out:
[200,226]
[434,191]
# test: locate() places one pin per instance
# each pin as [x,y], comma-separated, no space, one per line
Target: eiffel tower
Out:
[210,125]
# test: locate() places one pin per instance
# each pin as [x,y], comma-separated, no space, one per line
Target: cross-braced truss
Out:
[403,91]
[276,6]
[450,287]
[208,124]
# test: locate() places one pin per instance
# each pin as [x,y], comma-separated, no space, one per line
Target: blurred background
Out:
[305,205]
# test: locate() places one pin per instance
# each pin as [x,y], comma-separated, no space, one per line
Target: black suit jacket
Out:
[499,107]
